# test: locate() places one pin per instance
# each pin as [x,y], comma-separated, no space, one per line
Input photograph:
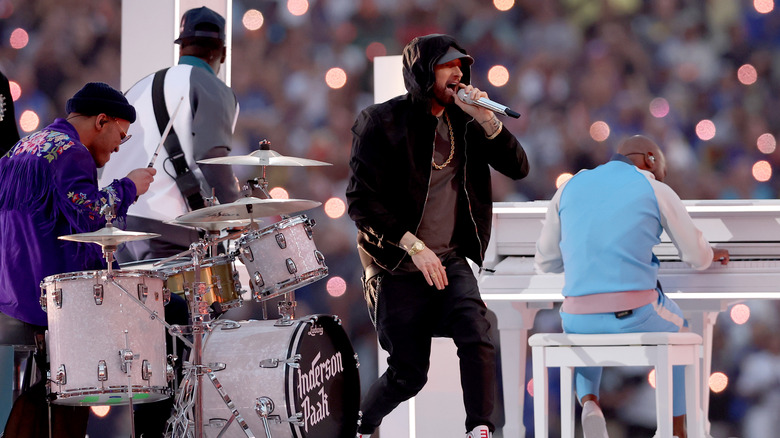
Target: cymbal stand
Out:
[200,315]
[127,354]
[127,362]
[259,186]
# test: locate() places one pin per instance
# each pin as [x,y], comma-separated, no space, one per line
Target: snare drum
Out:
[282,257]
[304,374]
[218,273]
[100,339]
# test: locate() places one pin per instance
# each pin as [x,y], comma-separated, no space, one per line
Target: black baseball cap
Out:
[453,54]
[192,20]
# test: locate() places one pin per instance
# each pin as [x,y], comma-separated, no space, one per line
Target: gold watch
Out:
[416,247]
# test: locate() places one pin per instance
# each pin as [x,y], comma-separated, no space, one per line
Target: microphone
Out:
[489,104]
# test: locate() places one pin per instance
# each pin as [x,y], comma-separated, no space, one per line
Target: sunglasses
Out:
[123,136]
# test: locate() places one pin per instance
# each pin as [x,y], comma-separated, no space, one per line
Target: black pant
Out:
[408,314]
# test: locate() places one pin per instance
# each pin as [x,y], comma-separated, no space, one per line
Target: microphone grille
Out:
[463,97]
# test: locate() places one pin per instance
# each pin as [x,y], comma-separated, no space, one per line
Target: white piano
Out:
[749,229]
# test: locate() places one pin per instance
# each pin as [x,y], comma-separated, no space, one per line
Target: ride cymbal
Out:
[264,158]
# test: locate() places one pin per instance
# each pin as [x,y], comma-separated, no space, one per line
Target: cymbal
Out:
[109,236]
[247,208]
[264,158]
[212,226]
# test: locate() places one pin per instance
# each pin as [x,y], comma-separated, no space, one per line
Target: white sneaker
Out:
[593,423]
[363,435]
[480,432]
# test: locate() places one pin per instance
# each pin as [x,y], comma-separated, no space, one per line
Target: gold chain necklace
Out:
[452,147]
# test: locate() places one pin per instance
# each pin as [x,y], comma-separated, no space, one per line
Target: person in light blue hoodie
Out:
[600,230]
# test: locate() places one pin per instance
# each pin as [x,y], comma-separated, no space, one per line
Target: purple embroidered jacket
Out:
[48,188]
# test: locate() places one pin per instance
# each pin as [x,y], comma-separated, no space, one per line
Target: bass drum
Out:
[306,374]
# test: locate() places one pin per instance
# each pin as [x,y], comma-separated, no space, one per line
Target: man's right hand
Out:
[142,178]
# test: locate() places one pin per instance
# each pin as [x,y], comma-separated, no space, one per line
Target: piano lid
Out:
[747,227]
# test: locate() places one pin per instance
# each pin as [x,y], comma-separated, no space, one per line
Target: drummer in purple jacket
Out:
[48,188]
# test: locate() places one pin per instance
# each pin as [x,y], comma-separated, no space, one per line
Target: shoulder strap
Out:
[186,181]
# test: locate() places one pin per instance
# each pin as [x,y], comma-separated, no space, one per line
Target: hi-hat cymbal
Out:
[264,158]
[212,226]
[247,208]
[109,236]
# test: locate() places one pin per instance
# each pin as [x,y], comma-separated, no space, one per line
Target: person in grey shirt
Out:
[203,125]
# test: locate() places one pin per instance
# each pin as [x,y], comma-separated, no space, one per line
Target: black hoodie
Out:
[390,165]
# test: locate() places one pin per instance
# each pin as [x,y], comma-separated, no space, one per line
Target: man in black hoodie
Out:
[420,195]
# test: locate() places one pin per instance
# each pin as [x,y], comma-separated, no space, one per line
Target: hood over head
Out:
[420,57]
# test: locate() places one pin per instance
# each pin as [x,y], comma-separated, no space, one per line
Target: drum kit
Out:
[286,377]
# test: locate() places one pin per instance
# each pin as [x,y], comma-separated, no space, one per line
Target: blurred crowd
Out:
[571,63]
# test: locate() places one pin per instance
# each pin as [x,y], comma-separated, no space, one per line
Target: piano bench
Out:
[660,350]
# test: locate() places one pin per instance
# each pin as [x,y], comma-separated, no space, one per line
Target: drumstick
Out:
[165,133]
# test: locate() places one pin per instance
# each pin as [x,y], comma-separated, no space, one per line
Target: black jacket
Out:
[391,163]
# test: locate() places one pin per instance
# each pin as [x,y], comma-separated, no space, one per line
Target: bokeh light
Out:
[19,38]
[766,143]
[705,130]
[336,286]
[764,6]
[530,387]
[659,107]
[562,178]
[297,7]
[253,19]
[100,411]
[762,171]
[718,382]
[29,121]
[279,193]
[599,131]
[6,9]
[503,5]
[336,78]
[740,314]
[335,208]
[16,90]
[651,378]
[375,49]
[498,75]
[747,74]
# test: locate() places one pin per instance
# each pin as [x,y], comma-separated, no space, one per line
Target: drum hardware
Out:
[102,373]
[286,310]
[198,250]
[97,293]
[127,360]
[263,408]
[292,362]
[234,414]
